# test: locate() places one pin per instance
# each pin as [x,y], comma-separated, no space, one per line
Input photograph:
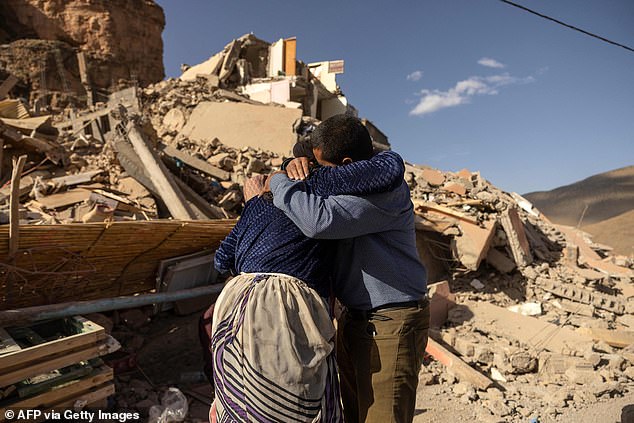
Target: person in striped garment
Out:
[272,336]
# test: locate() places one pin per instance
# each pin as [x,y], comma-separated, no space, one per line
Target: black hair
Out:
[342,136]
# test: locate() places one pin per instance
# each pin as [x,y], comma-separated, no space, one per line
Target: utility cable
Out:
[567,25]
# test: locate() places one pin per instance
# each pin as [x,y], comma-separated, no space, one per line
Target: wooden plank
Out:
[614,338]
[424,206]
[14,201]
[91,334]
[160,176]
[29,388]
[54,362]
[195,162]
[118,202]
[462,370]
[76,179]
[64,199]
[47,400]
[533,332]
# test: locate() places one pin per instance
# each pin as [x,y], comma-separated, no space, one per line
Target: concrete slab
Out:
[530,331]
[240,125]
[208,67]
[474,243]
[500,261]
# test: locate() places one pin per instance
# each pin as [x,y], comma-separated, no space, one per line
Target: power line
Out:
[567,25]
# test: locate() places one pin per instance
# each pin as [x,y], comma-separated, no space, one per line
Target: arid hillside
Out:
[617,232]
[604,203]
[606,195]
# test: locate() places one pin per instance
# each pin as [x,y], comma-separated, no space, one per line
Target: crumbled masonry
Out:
[529,317]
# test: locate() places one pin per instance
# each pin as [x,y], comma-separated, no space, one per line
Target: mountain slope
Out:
[617,232]
[606,195]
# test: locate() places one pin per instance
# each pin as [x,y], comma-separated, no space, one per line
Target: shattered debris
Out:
[519,302]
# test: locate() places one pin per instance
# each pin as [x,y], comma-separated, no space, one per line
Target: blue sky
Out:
[456,84]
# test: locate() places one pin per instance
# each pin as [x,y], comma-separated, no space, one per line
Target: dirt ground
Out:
[171,357]
[436,403]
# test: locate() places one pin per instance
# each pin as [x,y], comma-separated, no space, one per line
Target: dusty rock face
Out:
[122,38]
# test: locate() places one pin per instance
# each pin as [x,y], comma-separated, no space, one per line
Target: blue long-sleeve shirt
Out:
[377,261]
[266,240]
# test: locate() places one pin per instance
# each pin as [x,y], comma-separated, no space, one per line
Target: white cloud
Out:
[462,93]
[491,63]
[415,76]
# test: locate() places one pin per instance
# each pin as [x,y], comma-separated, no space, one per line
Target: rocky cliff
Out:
[121,38]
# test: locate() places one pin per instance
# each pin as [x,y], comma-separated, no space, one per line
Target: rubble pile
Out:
[232,117]
[527,315]
[544,313]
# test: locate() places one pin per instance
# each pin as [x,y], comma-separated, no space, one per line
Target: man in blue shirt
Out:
[379,278]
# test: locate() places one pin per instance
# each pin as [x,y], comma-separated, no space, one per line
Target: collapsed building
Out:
[132,192]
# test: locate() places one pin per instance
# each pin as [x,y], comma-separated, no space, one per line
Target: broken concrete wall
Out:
[336,106]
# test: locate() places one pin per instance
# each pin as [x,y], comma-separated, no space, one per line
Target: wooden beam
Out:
[63,199]
[195,162]
[55,361]
[91,333]
[160,176]
[75,179]
[49,399]
[14,201]
[422,206]
[462,370]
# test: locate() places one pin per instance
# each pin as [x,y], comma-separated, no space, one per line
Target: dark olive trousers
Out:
[379,356]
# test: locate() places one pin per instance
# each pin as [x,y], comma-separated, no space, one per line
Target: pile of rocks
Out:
[538,308]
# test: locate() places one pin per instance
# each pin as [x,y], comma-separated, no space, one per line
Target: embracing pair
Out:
[343,229]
